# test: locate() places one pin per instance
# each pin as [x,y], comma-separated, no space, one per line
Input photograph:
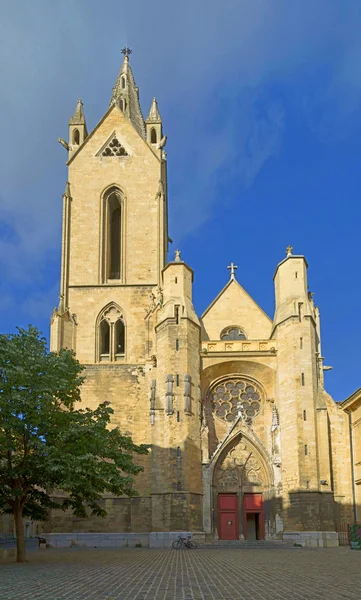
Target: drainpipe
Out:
[352,468]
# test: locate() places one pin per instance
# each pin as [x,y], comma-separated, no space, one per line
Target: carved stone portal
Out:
[239,468]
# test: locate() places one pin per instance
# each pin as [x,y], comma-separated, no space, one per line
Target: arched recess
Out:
[242,472]
[256,370]
[76,137]
[239,374]
[241,465]
[227,442]
[112,235]
[110,334]
[153,136]
[233,332]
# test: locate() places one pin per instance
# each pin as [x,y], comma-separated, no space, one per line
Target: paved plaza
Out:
[212,574]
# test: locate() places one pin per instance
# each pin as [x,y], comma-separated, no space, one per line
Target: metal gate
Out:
[343,530]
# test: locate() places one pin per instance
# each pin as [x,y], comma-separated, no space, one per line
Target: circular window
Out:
[235,397]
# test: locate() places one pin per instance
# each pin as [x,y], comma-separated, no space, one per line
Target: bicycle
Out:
[184,543]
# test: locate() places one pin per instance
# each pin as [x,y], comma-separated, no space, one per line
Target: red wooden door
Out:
[227,516]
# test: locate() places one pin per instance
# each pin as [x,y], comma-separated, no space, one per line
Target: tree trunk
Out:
[20,535]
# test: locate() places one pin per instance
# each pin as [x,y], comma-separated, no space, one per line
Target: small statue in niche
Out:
[152,301]
[275,435]
[169,394]
[152,305]
[205,442]
[187,394]
[159,296]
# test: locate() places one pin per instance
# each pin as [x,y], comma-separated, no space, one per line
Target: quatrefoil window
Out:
[235,396]
[114,148]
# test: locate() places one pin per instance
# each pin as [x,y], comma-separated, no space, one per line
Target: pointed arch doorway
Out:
[240,481]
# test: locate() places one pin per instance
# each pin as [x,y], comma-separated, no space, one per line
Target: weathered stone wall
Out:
[176,470]
[123,515]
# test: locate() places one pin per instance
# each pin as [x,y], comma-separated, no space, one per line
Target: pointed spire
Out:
[78,117]
[67,190]
[154,114]
[126,95]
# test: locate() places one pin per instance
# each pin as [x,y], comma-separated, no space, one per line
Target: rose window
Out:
[235,397]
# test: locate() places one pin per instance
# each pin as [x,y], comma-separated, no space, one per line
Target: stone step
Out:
[244,544]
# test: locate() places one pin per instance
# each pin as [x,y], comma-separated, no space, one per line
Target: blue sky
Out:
[261,104]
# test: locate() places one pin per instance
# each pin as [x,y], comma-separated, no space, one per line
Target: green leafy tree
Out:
[47,444]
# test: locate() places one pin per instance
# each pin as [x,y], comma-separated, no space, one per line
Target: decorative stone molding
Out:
[169,395]
[187,394]
[258,346]
[152,401]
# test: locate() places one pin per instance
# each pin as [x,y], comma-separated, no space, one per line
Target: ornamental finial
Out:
[289,251]
[177,256]
[126,51]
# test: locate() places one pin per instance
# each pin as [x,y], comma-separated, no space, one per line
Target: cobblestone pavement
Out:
[212,574]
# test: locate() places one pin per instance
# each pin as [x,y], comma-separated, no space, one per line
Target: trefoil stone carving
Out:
[114,148]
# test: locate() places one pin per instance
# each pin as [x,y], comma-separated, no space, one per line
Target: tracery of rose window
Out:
[235,396]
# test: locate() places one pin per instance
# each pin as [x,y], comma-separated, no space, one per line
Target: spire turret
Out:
[77,128]
[153,124]
[126,95]
[154,114]
[78,117]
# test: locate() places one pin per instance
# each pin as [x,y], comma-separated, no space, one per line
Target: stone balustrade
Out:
[268,346]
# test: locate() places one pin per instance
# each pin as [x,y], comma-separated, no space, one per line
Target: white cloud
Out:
[187,53]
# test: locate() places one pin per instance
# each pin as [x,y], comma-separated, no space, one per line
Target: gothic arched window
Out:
[123,82]
[233,333]
[114,225]
[104,334]
[110,334]
[76,137]
[119,337]
[112,235]
[153,136]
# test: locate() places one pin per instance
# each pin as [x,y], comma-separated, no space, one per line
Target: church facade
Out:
[245,441]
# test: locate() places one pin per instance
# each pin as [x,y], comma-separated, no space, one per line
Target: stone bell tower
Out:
[114,254]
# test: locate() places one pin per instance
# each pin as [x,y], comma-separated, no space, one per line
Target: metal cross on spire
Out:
[126,51]
[232,267]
